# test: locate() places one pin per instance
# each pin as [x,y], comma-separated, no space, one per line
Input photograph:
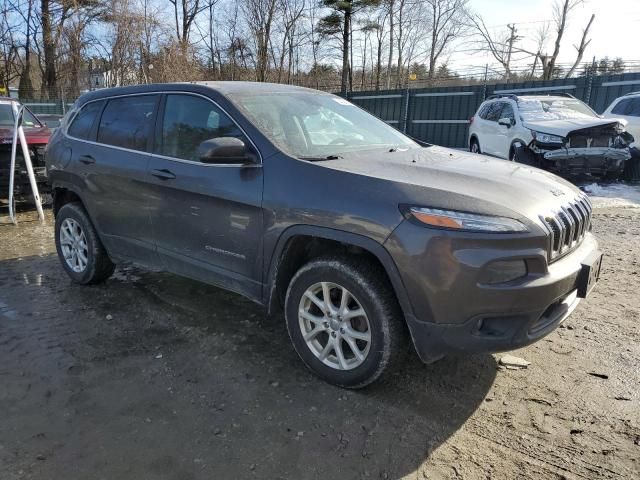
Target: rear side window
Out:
[127,122]
[83,121]
[621,107]
[188,121]
[482,113]
[634,108]
[628,106]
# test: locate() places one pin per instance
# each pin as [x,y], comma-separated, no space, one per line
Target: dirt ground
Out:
[151,376]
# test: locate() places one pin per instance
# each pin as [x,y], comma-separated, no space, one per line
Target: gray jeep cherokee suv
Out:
[305,203]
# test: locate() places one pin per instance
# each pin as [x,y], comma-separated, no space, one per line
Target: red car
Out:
[37,135]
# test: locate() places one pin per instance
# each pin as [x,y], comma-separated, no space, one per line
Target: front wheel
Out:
[522,154]
[344,320]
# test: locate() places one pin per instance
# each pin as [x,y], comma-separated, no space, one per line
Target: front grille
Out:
[567,226]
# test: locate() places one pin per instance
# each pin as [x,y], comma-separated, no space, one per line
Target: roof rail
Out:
[631,93]
[514,96]
[502,95]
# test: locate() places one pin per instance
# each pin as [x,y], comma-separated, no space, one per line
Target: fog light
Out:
[503,271]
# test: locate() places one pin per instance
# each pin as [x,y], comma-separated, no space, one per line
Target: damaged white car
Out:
[556,132]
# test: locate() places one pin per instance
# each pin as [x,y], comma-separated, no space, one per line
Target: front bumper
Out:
[598,160]
[21,183]
[454,313]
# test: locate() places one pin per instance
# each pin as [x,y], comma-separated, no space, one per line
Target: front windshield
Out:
[7,119]
[315,125]
[533,109]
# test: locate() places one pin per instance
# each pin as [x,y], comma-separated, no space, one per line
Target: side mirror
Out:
[507,122]
[224,150]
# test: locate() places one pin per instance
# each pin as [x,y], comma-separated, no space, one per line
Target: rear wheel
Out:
[81,253]
[344,321]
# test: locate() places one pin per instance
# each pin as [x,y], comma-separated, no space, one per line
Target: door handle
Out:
[163,174]
[87,159]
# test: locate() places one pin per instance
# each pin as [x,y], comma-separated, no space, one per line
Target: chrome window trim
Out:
[156,155]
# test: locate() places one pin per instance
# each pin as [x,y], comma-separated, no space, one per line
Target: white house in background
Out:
[109,78]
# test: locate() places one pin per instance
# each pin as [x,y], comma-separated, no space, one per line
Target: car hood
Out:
[453,179]
[32,135]
[563,127]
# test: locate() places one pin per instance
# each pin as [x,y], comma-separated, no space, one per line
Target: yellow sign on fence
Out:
[3,90]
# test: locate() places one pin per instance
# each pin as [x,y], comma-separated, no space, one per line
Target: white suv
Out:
[555,132]
[628,108]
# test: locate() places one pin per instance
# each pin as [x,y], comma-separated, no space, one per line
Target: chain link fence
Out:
[441,114]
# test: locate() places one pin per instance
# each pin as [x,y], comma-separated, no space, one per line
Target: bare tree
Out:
[447,24]
[185,13]
[260,17]
[292,11]
[584,43]
[9,55]
[500,46]
[561,11]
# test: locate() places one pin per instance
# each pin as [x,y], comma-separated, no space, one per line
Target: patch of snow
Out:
[613,195]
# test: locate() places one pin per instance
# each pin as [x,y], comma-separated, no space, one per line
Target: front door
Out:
[505,133]
[206,218]
[489,140]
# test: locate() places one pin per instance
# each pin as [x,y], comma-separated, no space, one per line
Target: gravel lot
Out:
[151,376]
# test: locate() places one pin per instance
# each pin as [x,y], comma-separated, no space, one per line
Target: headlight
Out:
[455,220]
[545,137]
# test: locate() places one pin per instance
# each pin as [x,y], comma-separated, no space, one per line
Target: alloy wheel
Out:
[73,244]
[334,326]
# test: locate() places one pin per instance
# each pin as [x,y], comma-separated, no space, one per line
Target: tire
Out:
[632,167]
[474,146]
[74,232]
[368,288]
[523,155]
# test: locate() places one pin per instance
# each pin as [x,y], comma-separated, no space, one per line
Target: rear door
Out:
[113,165]
[207,218]
[488,131]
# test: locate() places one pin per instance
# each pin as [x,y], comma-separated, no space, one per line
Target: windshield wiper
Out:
[320,159]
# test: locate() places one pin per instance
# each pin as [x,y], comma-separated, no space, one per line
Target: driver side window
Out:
[188,121]
[507,112]
[493,112]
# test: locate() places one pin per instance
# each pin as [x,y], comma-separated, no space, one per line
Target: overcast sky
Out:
[614,32]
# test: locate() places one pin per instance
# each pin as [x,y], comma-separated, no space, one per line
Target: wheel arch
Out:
[63,194]
[514,143]
[301,243]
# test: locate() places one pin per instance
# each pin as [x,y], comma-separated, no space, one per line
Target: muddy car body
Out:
[37,135]
[305,203]
[556,132]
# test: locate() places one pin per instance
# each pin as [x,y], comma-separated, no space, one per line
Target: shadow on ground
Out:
[155,376]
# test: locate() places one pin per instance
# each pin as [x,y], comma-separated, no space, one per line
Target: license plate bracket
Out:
[589,274]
